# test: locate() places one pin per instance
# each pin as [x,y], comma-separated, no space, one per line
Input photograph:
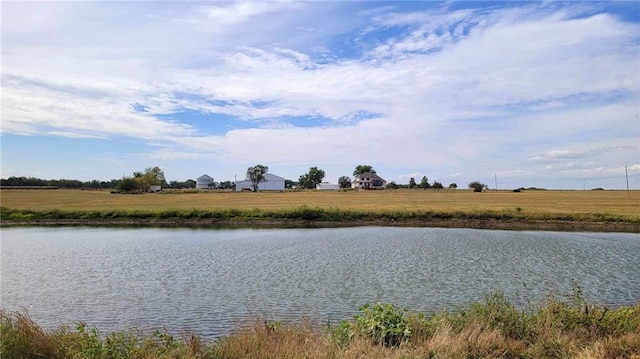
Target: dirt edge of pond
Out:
[546,225]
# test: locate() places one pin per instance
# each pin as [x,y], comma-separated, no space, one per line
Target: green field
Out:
[618,203]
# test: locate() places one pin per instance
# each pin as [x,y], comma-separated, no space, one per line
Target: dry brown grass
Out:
[529,202]
[481,332]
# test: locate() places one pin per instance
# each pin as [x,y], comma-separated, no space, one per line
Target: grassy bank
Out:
[320,217]
[314,216]
[492,329]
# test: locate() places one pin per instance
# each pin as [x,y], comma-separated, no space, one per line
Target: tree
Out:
[226,185]
[186,184]
[453,186]
[360,169]
[412,182]
[256,174]
[312,178]
[477,186]
[392,185]
[289,183]
[344,182]
[155,176]
[152,176]
[424,183]
[437,185]
[127,185]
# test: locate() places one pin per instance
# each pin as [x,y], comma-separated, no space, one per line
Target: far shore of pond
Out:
[584,211]
[495,224]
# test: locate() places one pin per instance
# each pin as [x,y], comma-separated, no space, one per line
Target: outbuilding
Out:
[326,186]
[204,182]
[271,183]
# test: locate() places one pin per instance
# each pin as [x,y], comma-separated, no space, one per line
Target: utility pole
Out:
[495,178]
[626,175]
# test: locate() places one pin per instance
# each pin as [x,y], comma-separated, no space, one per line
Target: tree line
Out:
[60,183]
[141,181]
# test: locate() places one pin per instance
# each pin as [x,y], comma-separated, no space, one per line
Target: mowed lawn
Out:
[551,202]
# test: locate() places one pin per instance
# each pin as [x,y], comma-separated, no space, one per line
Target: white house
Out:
[368,180]
[203,181]
[326,186]
[271,183]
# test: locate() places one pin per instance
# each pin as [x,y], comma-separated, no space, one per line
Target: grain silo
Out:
[204,182]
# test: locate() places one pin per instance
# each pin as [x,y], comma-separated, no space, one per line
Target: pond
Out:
[209,281]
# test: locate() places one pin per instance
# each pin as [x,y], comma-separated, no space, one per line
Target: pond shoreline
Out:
[491,223]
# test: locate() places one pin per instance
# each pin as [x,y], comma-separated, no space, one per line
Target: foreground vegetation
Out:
[570,328]
[302,213]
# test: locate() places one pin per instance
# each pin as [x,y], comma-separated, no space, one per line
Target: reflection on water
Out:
[209,281]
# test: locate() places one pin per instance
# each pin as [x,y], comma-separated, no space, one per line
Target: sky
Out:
[518,94]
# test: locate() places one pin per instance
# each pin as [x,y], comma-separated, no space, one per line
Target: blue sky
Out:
[543,94]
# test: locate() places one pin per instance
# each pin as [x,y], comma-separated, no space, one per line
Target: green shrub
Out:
[344,333]
[385,324]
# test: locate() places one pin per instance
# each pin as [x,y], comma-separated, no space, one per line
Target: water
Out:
[210,281]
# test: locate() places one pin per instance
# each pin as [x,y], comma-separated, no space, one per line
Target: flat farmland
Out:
[620,203]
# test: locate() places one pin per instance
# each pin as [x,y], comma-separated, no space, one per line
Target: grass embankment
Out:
[617,210]
[493,329]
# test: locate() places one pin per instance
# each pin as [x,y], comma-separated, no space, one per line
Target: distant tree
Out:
[289,183]
[477,186]
[226,185]
[141,181]
[412,182]
[94,184]
[24,181]
[155,176]
[453,186]
[186,184]
[257,174]
[392,185]
[344,182]
[152,176]
[437,185]
[312,178]
[61,183]
[360,169]
[128,185]
[424,183]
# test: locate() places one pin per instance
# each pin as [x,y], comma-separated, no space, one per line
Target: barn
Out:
[271,183]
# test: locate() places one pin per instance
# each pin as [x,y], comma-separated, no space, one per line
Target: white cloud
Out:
[238,12]
[472,92]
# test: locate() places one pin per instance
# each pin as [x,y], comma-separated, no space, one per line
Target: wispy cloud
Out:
[554,155]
